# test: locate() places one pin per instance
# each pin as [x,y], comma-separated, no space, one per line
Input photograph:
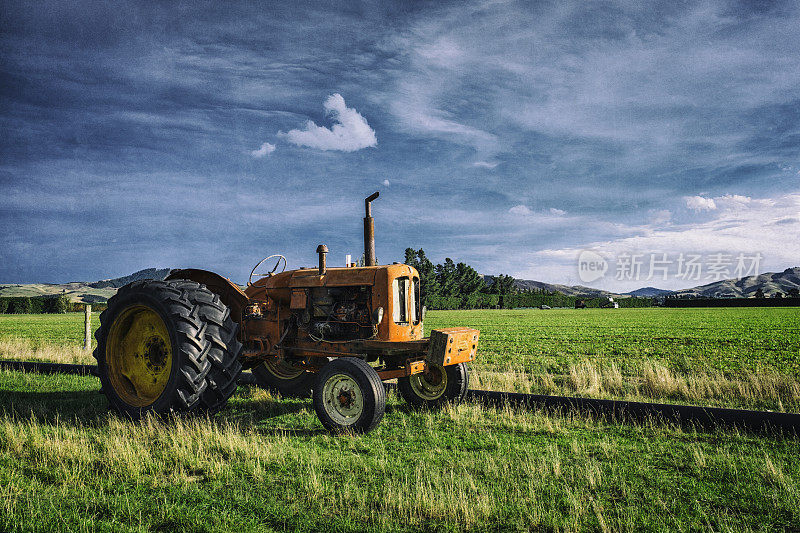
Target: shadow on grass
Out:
[85,407]
[49,407]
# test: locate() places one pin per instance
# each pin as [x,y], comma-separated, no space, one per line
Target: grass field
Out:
[745,357]
[265,464]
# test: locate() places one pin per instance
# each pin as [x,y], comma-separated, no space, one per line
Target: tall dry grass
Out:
[21,349]
[651,381]
[550,476]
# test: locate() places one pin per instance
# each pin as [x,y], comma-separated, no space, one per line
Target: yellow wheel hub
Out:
[139,355]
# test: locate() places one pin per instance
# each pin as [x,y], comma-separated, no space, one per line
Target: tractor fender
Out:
[230,294]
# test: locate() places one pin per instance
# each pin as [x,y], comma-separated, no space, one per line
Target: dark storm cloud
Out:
[128,129]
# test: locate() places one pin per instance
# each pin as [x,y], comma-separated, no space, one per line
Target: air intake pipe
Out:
[322,250]
[369,231]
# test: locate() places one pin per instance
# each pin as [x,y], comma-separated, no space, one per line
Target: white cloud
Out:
[763,225]
[659,217]
[557,212]
[265,149]
[523,210]
[386,183]
[350,131]
[485,164]
[698,203]
[733,201]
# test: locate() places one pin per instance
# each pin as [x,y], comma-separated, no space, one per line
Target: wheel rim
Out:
[139,356]
[283,370]
[430,385]
[342,399]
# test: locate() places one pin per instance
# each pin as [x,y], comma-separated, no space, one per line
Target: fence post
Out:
[87,322]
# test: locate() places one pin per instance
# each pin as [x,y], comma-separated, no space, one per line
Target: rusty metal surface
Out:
[419,346]
[322,250]
[334,277]
[388,329]
[411,368]
[299,299]
[451,346]
[369,230]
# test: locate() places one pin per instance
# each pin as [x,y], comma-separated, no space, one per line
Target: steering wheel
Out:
[271,272]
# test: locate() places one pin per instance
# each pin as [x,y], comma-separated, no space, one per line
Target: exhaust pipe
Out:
[322,250]
[369,231]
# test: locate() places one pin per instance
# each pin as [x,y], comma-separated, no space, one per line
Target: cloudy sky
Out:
[511,136]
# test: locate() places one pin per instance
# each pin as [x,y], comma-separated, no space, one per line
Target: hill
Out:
[569,290]
[81,291]
[769,283]
[116,283]
[647,292]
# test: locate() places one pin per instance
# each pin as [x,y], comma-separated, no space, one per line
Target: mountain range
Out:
[769,283]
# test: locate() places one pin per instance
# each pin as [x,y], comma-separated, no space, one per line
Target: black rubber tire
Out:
[373,394]
[205,351]
[454,392]
[224,348]
[298,387]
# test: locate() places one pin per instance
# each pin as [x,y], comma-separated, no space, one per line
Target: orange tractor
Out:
[179,345]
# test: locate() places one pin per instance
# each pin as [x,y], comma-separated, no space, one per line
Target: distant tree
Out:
[778,295]
[3,305]
[429,284]
[61,304]
[448,285]
[794,293]
[468,280]
[759,293]
[446,275]
[502,285]
[22,306]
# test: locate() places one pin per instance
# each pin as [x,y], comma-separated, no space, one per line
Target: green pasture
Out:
[265,463]
[687,340]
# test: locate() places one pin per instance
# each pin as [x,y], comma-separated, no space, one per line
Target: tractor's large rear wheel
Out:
[167,346]
[284,378]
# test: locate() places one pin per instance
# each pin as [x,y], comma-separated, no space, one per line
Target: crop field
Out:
[265,463]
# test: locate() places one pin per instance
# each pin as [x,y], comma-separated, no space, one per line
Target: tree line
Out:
[17,305]
[453,285]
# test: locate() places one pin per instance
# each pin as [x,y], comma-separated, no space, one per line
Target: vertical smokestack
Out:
[369,232]
[322,250]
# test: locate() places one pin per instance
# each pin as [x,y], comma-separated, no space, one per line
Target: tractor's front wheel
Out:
[167,346]
[349,396]
[438,385]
